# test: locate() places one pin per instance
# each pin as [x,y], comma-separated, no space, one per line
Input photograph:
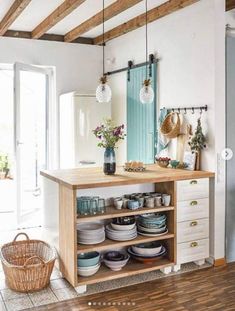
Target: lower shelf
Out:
[132,268]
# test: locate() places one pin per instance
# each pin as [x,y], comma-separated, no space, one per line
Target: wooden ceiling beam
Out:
[15,10]
[112,10]
[230,5]
[55,17]
[156,13]
[47,37]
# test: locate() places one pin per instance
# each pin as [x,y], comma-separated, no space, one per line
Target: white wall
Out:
[78,66]
[190,45]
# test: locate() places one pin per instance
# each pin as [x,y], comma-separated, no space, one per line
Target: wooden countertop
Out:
[84,178]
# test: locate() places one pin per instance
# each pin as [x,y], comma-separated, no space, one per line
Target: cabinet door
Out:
[192,209]
[192,230]
[192,189]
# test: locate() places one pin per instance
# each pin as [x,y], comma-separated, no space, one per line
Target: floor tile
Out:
[19,304]
[8,294]
[55,274]
[43,297]
[65,293]
[2,306]
[3,284]
[59,284]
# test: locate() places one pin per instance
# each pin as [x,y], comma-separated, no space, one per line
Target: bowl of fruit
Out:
[163,161]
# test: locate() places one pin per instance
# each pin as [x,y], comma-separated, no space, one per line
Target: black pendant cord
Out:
[103,40]
[146,36]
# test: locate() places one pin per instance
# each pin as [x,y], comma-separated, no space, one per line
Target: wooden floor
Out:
[207,289]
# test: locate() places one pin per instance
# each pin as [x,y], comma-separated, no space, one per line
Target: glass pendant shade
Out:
[146,94]
[103,93]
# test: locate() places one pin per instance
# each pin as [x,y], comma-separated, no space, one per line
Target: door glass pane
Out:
[32,143]
[7,175]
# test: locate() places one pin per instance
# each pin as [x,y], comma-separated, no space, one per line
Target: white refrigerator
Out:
[79,115]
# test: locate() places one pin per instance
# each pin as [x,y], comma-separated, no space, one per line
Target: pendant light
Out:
[146,92]
[103,91]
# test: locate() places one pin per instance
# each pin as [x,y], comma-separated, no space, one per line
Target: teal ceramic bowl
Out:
[174,163]
[88,259]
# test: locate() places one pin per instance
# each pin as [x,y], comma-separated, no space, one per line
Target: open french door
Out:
[31,137]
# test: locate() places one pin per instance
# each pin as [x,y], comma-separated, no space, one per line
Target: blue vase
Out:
[109,161]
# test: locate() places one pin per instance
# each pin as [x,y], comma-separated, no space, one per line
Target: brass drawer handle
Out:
[193,203]
[194,244]
[193,223]
[193,182]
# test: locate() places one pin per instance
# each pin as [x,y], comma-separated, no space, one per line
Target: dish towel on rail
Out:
[162,141]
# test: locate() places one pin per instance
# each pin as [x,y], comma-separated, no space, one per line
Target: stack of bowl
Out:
[90,233]
[147,252]
[122,230]
[88,263]
[152,224]
[115,260]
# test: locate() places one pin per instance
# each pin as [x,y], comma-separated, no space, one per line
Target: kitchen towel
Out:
[162,141]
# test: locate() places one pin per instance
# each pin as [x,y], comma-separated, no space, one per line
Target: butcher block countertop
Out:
[83,178]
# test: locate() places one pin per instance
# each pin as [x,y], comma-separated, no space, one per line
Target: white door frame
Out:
[49,73]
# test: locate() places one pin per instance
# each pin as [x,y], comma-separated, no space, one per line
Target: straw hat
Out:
[170,127]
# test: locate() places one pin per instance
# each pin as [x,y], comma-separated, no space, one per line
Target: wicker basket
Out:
[169,127]
[27,264]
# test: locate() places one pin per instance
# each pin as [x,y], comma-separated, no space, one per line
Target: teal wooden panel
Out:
[141,118]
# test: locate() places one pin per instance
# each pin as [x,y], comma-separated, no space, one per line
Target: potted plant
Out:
[109,135]
[4,166]
[198,143]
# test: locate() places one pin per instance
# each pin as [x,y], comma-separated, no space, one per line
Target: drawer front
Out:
[192,189]
[192,230]
[192,251]
[192,209]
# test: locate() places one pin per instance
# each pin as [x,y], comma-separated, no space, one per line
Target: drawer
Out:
[192,230]
[192,209]
[192,251]
[192,189]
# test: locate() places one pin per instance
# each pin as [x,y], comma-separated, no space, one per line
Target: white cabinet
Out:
[192,221]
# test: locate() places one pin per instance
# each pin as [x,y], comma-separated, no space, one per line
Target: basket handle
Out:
[33,257]
[21,233]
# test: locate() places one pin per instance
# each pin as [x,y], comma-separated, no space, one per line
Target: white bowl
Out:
[147,251]
[123,227]
[88,271]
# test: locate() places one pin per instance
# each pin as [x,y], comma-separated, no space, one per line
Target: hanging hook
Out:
[201,110]
[185,111]
[193,110]
[179,110]
[173,109]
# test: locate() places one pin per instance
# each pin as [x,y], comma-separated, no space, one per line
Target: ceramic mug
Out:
[133,204]
[118,203]
[141,201]
[158,201]
[149,202]
[125,202]
[166,199]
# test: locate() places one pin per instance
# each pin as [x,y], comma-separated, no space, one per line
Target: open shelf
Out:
[132,268]
[112,212]
[109,244]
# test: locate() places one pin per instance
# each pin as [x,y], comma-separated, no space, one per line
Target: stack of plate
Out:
[121,235]
[149,259]
[152,224]
[90,233]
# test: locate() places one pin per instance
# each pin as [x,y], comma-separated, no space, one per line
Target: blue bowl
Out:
[88,259]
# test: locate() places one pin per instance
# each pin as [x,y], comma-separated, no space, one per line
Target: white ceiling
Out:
[38,10]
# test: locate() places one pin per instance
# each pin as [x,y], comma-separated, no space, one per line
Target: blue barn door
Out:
[141,118]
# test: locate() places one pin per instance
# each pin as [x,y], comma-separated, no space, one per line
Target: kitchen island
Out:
[61,188]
